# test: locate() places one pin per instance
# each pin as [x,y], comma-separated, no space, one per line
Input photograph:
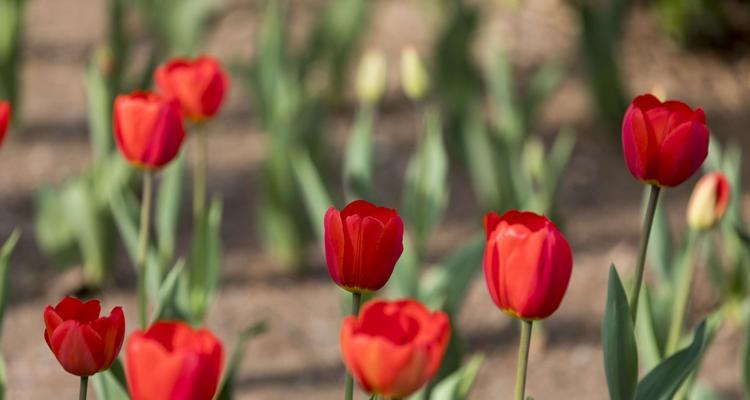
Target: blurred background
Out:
[524,106]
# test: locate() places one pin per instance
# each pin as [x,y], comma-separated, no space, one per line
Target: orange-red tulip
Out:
[394,348]
[4,119]
[527,264]
[199,84]
[172,361]
[709,201]
[83,342]
[363,243]
[664,143]
[148,128]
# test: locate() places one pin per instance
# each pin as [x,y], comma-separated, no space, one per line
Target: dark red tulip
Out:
[363,243]
[4,119]
[199,84]
[664,143]
[83,342]
[172,361]
[527,264]
[394,348]
[148,128]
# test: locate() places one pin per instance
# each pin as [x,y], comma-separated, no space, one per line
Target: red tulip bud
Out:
[83,342]
[527,264]
[4,119]
[394,348]
[363,243]
[173,361]
[200,85]
[148,129]
[709,201]
[664,143]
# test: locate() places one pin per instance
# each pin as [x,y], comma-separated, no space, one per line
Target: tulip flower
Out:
[4,119]
[199,84]
[664,143]
[394,348]
[527,267]
[173,361]
[709,201]
[83,342]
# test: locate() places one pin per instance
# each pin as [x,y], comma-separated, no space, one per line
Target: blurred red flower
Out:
[148,128]
[173,361]
[527,264]
[83,342]
[363,243]
[394,348]
[199,84]
[4,119]
[664,143]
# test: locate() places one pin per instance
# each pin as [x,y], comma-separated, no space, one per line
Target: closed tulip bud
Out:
[83,342]
[414,77]
[527,264]
[362,244]
[148,129]
[173,361]
[199,84]
[394,348]
[4,119]
[664,142]
[709,201]
[371,77]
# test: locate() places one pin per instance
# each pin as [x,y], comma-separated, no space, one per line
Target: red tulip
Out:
[200,85]
[527,264]
[709,201]
[83,342]
[148,128]
[664,143]
[363,243]
[4,119]
[394,348]
[172,361]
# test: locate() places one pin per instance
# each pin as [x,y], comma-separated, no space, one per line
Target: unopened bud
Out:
[414,77]
[709,201]
[371,77]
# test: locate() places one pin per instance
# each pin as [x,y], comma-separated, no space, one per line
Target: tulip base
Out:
[84,388]
[523,359]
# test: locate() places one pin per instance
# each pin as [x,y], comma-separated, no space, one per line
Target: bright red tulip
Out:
[172,361]
[83,342]
[199,84]
[363,243]
[664,143]
[148,128]
[4,119]
[527,264]
[394,348]
[709,201]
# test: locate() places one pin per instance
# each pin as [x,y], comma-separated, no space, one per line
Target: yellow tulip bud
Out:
[414,77]
[371,77]
[708,202]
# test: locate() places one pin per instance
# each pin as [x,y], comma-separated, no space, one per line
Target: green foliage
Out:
[111,384]
[458,385]
[11,36]
[205,262]
[5,254]
[618,342]
[358,157]
[227,380]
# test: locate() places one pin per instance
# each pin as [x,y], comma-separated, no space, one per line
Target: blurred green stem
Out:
[349,388]
[683,281]
[648,221]
[143,245]
[199,174]
[84,388]
[523,359]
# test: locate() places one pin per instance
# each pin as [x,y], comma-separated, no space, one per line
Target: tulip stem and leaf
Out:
[683,281]
[199,173]
[349,385]
[523,359]
[647,223]
[143,246]
[84,388]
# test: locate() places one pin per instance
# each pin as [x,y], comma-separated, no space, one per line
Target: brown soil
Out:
[299,357]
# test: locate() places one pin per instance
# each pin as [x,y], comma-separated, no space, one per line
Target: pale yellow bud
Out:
[414,77]
[708,202]
[371,77]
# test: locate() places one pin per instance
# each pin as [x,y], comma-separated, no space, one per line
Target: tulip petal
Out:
[335,242]
[77,347]
[682,153]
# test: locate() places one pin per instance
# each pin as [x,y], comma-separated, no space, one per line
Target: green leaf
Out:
[660,248]
[618,342]
[4,378]
[358,157]
[205,262]
[225,387]
[481,161]
[168,306]
[404,281]
[648,340]
[314,193]
[99,101]
[665,380]
[457,385]
[541,86]
[111,384]
[511,123]
[167,208]
[746,361]
[53,232]
[5,253]
[559,156]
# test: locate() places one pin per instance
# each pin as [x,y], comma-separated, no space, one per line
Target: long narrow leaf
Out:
[618,342]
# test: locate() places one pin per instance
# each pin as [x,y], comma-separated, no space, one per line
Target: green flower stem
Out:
[84,388]
[523,359]
[199,174]
[648,221]
[349,388]
[683,281]
[143,245]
